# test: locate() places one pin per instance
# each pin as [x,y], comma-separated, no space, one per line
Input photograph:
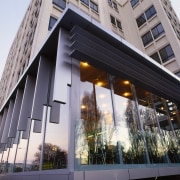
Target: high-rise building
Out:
[151,26]
[84,100]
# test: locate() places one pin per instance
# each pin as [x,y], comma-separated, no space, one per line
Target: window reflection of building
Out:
[136,127]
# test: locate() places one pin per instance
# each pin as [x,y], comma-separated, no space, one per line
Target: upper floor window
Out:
[60,3]
[154,33]
[141,20]
[163,55]
[116,22]
[156,57]
[113,4]
[147,38]
[134,2]
[150,12]
[90,4]
[85,2]
[166,53]
[157,31]
[52,21]
[93,6]
[145,16]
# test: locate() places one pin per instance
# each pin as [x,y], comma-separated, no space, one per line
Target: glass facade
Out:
[122,123]
[43,147]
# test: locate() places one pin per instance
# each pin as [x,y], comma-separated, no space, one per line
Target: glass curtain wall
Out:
[122,123]
[43,146]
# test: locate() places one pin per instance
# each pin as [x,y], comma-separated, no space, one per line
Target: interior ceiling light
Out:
[126,94]
[126,82]
[85,64]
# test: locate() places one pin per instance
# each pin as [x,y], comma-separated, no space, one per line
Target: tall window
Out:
[85,2]
[60,3]
[157,31]
[113,4]
[141,20]
[52,21]
[122,123]
[93,6]
[156,57]
[115,22]
[147,15]
[134,2]
[147,38]
[152,34]
[166,53]
[150,12]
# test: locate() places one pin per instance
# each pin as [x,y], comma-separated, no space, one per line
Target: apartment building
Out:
[85,100]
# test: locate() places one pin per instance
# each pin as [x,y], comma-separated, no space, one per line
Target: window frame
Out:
[52,22]
[59,3]
[157,31]
[94,6]
[86,2]
[147,38]
[150,12]
[156,57]
[141,20]
[166,53]
[134,2]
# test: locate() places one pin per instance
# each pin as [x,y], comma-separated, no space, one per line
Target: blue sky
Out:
[11,15]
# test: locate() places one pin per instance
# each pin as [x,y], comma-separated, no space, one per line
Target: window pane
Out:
[134,2]
[157,31]
[168,119]
[56,141]
[156,57]
[147,38]
[95,142]
[35,144]
[141,20]
[60,3]
[85,2]
[166,53]
[154,144]
[150,12]
[21,152]
[113,20]
[94,6]
[52,21]
[131,143]
[12,153]
[119,24]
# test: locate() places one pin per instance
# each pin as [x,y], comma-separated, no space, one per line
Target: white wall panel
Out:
[63,68]
[27,101]
[15,115]
[7,123]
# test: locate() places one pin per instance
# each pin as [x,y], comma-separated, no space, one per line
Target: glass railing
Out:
[110,146]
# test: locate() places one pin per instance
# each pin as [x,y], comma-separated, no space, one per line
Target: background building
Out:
[151,26]
[49,91]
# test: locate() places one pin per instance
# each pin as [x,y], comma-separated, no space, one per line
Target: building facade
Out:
[151,26]
[90,104]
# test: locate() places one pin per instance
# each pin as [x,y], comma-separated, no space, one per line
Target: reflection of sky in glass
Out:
[121,105]
[34,142]
[57,134]
[21,150]
[5,155]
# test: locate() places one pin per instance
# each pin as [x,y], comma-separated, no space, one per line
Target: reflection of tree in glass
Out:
[135,153]
[91,116]
[53,157]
